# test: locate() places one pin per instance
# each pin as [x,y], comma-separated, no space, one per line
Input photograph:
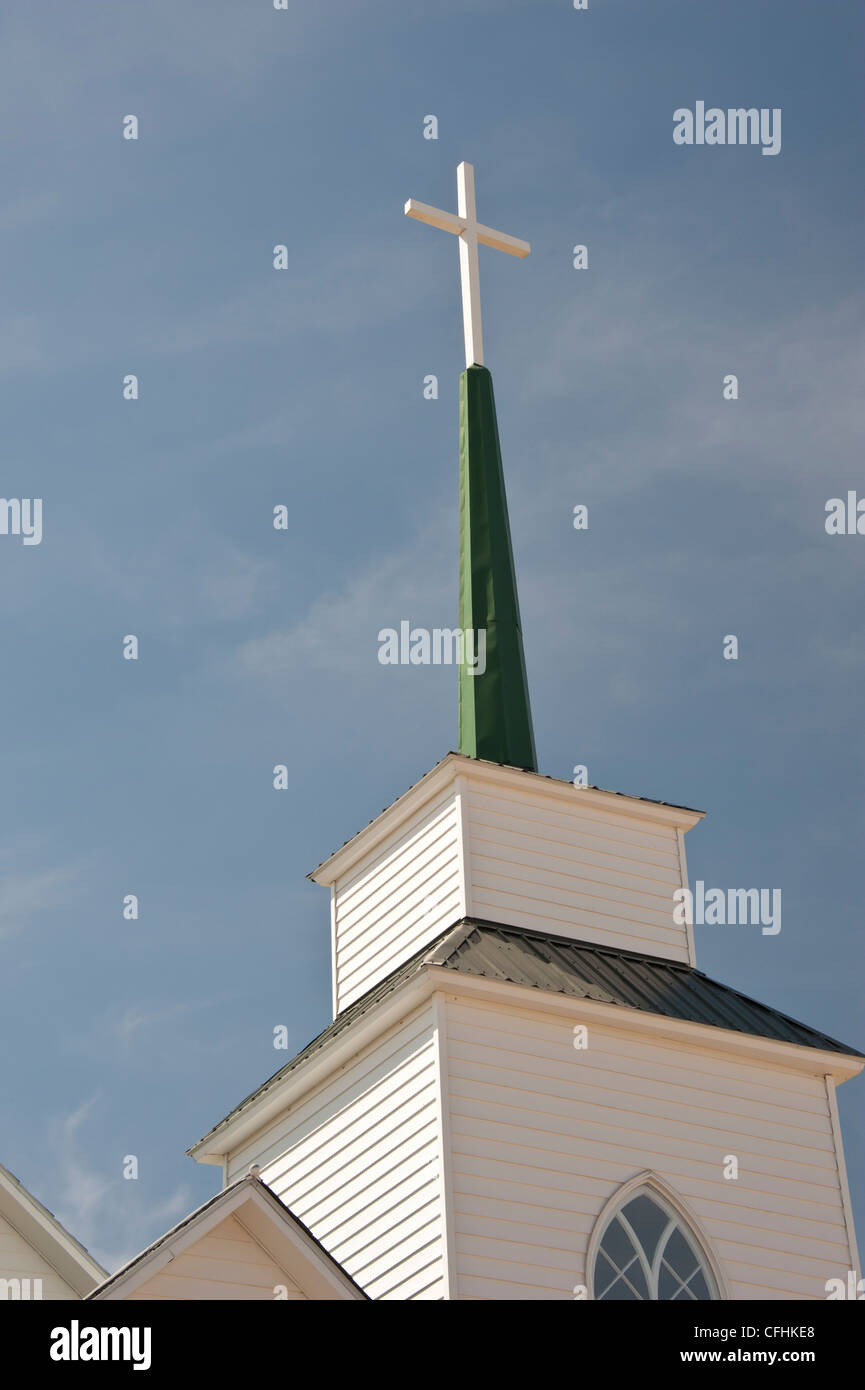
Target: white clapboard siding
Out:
[542,1135]
[224,1264]
[407,895]
[357,1160]
[559,866]
[482,841]
[19,1260]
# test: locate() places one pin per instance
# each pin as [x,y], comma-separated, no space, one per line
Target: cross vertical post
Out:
[470,275]
[471,234]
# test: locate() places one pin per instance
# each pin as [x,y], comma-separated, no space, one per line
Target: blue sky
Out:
[304,387]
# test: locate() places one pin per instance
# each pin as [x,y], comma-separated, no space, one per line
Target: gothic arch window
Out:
[645,1249]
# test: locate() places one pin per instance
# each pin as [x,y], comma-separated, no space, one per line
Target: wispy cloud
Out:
[25,897]
[339,632]
[99,1206]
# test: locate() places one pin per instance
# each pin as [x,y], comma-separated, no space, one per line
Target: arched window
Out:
[646,1249]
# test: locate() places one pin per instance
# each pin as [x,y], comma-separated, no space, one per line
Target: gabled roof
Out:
[269,1221]
[43,1232]
[580,969]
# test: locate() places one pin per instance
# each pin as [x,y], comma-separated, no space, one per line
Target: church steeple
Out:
[495,720]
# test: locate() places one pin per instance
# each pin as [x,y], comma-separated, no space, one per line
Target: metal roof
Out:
[581,969]
[611,976]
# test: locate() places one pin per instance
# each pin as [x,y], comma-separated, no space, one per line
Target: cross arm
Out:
[435,217]
[500,241]
[449,222]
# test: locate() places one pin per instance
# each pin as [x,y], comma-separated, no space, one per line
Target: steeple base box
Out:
[476,839]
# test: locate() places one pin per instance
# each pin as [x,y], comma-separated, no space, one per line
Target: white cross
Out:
[470,232]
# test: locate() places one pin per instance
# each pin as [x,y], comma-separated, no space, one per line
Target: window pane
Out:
[618,1272]
[617,1243]
[680,1276]
[635,1238]
[679,1255]
[620,1292]
[669,1285]
[648,1221]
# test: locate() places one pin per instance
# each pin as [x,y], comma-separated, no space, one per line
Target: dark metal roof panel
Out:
[636,981]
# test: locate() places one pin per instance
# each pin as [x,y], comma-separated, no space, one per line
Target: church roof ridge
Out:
[52,1227]
[223,1196]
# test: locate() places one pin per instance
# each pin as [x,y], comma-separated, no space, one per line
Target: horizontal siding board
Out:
[599,1078]
[380,1146]
[527,857]
[420,1234]
[552,817]
[533,1182]
[534,1035]
[611,861]
[374,1073]
[396,943]
[409,1176]
[487,1288]
[406,1091]
[391,1193]
[622,1148]
[376,891]
[647,898]
[357,1162]
[414,916]
[538,862]
[547,1282]
[545,914]
[399,1219]
[166,1286]
[395,845]
[572,1230]
[587,1115]
[415,1273]
[400,898]
[386,1170]
[226,1263]
[639,913]
[543,1135]
[408,893]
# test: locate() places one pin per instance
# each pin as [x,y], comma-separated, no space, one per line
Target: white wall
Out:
[18,1260]
[560,864]
[404,896]
[357,1161]
[226,1263]
[508,847]
[542,1135]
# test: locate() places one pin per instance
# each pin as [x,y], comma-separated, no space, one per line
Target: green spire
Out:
[495,720]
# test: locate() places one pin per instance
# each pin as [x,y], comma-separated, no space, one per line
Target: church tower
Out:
[528,1089]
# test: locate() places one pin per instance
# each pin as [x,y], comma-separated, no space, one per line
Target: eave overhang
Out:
[445,773]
